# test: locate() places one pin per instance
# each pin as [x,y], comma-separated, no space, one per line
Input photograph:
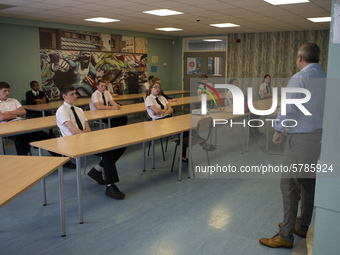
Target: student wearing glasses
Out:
[156,105]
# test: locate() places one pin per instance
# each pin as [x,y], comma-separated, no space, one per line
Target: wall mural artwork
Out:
[81,69]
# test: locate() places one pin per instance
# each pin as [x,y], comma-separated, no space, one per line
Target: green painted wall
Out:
[20,58]
[20,42]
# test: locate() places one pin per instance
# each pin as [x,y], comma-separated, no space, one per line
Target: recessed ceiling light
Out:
[102,20]
[168,29]
[224,25]
[321,19]
[163,12]
[212,40]
[281,2]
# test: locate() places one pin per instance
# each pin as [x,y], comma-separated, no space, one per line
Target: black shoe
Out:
[70,165]
[97,176]
[113,192]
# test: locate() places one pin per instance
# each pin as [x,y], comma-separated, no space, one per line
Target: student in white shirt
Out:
[67,115]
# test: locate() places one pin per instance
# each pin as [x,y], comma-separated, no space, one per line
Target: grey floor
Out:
[160,215]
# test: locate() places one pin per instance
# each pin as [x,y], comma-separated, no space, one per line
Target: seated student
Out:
[229,96]
[147,84]
[204,79]
[12,110]
[101,99]
[107,79]
[156,79]
[265,90]
[71,120]
[35,96]
[156,105]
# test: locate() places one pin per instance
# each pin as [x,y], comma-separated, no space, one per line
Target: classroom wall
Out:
[20,42]
[327,202]
[20,57]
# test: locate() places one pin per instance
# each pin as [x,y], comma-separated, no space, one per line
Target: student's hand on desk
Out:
[116,107]
[277,137]
[114,95]
[172,100]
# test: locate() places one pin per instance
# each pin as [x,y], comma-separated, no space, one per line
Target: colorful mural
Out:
[82,68]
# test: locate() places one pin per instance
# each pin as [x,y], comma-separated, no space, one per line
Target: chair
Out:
[200,136]
[150,119]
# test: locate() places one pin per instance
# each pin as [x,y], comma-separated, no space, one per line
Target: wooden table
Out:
[76,146]
[53,105]
[19,173]
[141,95]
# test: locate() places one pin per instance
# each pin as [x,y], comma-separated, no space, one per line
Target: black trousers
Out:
[22,142]
[116,122]
[109,159]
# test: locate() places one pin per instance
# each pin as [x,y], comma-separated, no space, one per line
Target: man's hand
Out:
[277,137]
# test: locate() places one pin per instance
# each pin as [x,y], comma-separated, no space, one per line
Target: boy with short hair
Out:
[71,120]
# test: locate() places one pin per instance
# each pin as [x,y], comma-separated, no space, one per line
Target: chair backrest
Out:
[204,125]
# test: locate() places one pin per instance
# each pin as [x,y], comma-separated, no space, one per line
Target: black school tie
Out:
[80,126]
[159,102]
[104,99]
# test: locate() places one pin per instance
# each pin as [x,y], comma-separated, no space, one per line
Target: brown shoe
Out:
[296,231]
[276,242]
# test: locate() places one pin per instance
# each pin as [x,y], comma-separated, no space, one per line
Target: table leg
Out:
[153,153]
[43,185]
[180,156]
[2,150]
[144,158]
[61,201]
[43,113]
[248,130]
[80,195]
[109,123]
[190,171]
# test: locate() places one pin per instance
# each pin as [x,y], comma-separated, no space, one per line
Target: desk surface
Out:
[103,140]
[19,173]
[85,101]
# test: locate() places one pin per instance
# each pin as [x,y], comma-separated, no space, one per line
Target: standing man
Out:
[303,146]
[71,120]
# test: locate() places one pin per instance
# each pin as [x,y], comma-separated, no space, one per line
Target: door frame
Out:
[184,41]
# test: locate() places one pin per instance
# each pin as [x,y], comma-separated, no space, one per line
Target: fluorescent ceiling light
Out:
[212,40]
[281,2]
[224,25]
[163,12]
[102,20]
[321,19]
[168,29]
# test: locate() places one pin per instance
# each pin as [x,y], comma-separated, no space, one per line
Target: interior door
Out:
[212,64]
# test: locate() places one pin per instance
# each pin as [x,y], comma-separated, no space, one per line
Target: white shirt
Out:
[145,87]
[151,100]
[109,87]
[64,113]
[98,98]
[36,93]
[229,98]
[263,87]
[11,104]
[202,87]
